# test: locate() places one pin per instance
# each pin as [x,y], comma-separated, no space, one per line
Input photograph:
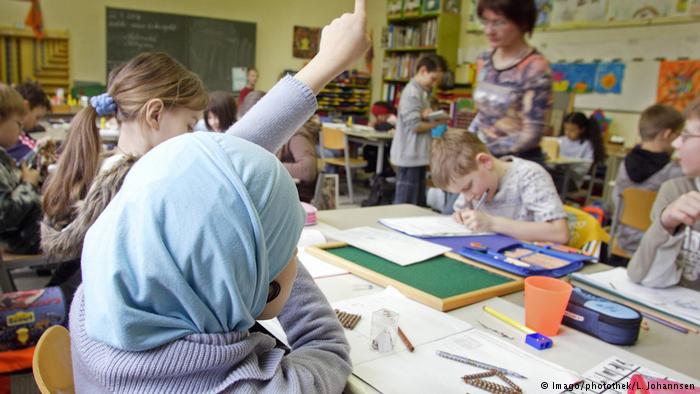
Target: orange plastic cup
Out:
[545,302]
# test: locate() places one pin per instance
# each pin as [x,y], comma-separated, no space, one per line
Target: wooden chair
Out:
[550,147]
[9,262]
[634,210]
[335,139]
[52,366]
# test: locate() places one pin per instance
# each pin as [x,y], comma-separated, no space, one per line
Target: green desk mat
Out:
[441,276]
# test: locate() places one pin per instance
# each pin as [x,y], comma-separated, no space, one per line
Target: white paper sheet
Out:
[318,268]
[429,226]
[677,301]
[420,323]
[424,372]
[309,237]
[390,245]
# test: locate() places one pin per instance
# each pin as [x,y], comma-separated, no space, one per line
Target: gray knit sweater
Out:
[222,363]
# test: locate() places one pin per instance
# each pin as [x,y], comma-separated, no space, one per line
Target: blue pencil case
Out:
[521,258]
[602,318]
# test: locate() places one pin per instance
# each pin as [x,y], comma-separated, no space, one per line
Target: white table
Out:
[660,348]
[367,136]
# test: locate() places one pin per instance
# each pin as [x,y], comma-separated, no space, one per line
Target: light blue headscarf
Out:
[190,244]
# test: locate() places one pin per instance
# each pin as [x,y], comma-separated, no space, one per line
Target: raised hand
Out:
[343,42]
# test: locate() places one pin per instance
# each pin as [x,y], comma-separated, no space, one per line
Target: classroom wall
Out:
[85,19]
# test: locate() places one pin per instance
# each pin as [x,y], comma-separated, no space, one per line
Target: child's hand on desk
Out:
[685,210]
[476,221]
[343,42]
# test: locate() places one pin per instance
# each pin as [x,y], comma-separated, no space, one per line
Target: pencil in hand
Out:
[405,340]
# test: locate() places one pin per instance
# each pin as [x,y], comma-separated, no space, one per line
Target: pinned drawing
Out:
[609,77]
[679,83]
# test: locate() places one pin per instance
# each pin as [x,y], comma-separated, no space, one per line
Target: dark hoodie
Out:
[641,163]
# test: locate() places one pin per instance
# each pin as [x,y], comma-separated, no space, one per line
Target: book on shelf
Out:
[420,35]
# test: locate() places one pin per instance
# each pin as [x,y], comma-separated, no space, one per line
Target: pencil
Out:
[405,340]
[481,200]
[666,323]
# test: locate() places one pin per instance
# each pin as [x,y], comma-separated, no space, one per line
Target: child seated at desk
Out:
[36,104]
[20,202]
[647,166]
[299,157]
[582,139]
[173,309]
[519,197]
[669,253]
[221,111]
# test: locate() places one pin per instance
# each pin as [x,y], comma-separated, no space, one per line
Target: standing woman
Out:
[514,82]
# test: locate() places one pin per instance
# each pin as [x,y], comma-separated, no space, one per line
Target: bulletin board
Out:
[444,283]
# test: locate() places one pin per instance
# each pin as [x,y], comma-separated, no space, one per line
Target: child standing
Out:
[172,309]
[519,197]
[20,202]
[669,253]
[648,165]
[221,111]
[251,80]
[410,149]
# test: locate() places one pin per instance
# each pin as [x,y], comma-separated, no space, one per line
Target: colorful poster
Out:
[568,11]
[306,40]
[609,77]
[574,77]
[623,10]
[679,83]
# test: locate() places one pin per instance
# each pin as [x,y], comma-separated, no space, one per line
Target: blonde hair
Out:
[657,118]
[131,85]
[11,102]
[454,155]
[692,111]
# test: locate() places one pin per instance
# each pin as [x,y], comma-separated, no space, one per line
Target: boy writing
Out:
[410,148]
[648,165]
[669,253]
[511,196]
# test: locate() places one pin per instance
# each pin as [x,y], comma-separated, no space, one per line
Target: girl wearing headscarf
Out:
[198,244]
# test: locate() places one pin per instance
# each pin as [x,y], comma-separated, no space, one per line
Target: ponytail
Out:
[78,165]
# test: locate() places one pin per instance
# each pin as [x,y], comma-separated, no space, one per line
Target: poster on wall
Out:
[570,11]
[306,40]
[623,10]
[679,83]
[608,78]
[574,77]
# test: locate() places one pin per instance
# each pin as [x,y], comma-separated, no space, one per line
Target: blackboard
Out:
[208,47]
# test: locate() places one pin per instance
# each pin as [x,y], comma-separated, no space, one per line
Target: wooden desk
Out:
[662,347]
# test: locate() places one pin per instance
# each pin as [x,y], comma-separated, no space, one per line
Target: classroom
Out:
[356,196]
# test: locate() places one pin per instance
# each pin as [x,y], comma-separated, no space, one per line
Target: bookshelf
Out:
[414,28]
[347,95]
[24,57]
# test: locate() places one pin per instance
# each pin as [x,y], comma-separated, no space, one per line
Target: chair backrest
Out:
[52,366]
[550,146]
[636,208]
[332,138]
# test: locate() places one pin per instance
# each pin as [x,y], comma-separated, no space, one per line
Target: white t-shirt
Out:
[525,193]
